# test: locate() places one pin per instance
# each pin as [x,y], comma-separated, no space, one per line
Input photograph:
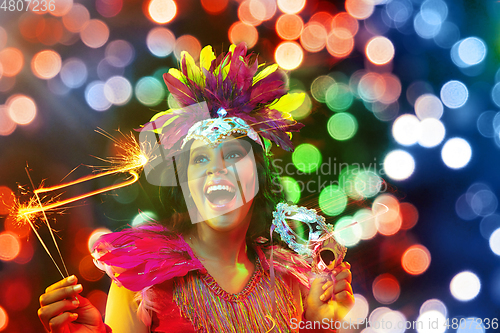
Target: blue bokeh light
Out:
[454,94]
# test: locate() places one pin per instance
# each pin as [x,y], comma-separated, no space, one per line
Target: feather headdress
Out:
[231,88]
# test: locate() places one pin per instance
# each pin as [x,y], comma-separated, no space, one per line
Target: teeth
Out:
[220,188]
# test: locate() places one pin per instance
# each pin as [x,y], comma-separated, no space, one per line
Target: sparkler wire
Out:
[43,244]
[31,210]
[48,225]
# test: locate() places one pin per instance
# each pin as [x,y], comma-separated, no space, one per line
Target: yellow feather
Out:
[206,57]
[289,102]
[177,74]
[193,71]
[265,72]
[168,122]
[159,114]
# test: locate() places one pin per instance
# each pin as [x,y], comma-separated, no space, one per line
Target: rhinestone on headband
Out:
[212,131]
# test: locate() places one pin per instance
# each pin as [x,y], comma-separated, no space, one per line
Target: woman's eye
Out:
[200,159]
[233,155]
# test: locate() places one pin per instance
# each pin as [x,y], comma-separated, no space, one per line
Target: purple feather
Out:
[182,93]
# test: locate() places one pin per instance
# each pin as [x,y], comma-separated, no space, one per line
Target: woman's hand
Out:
[330,298]
[62,310]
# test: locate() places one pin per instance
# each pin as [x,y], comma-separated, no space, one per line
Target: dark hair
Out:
[268,196]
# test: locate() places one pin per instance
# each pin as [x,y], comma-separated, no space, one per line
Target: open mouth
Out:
[220,194]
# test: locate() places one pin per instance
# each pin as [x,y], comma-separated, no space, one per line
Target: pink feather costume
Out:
[178,295]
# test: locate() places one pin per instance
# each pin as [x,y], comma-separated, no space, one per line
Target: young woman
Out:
[211,268]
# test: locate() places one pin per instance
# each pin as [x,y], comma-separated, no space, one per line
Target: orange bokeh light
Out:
[289,26]
[386,289]
[98,298]
[7,125]
[94,236]
[371,87]
[10,246]
[6,199]
[16,294]
[12,61]
[22,109]
[31,26]
[392,88]
[4,319]
[88,270]
[289,55]
[409,215]
[189,44]
[416,260]
[214,6]
[340,42]
[245,14]
[387,218]
[76,18]
[360,9]
[323,18]
[313,38]
[379,50]
[62,7]
[291,6]
[51,31]
[263,9]
[95,34]
[27,251]
[242,32]
[46,64]
[162,11]
[346,21]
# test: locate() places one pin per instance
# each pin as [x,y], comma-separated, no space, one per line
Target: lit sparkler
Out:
[132,160]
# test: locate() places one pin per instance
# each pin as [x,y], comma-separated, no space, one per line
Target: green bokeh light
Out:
[158,74]
[172,102]
[346,233]
[307,158]
[291,189]
[367,183]
[342,126]
[149,91]
[339,97]
[320,86]
[305,109]
[347,182]
[332,200]
[144,217]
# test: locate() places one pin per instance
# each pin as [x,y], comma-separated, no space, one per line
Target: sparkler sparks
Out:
[131,160]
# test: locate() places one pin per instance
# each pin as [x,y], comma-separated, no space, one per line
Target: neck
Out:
[225,247]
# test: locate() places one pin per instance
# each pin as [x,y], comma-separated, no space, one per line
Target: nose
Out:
[217,167]
[216,172]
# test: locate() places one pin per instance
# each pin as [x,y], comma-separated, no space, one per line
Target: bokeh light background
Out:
[402,108]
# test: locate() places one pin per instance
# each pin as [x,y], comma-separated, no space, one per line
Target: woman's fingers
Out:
[57,324]
[72,280]
[327,294]
[342,272]
[58,299]
[341,286]
[62,293]
[49,312]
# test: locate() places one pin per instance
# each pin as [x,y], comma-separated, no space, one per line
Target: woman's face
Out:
[222,182]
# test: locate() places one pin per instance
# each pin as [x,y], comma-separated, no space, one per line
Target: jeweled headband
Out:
[226,95]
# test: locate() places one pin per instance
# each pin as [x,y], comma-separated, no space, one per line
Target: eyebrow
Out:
[229,144]
[194,151]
